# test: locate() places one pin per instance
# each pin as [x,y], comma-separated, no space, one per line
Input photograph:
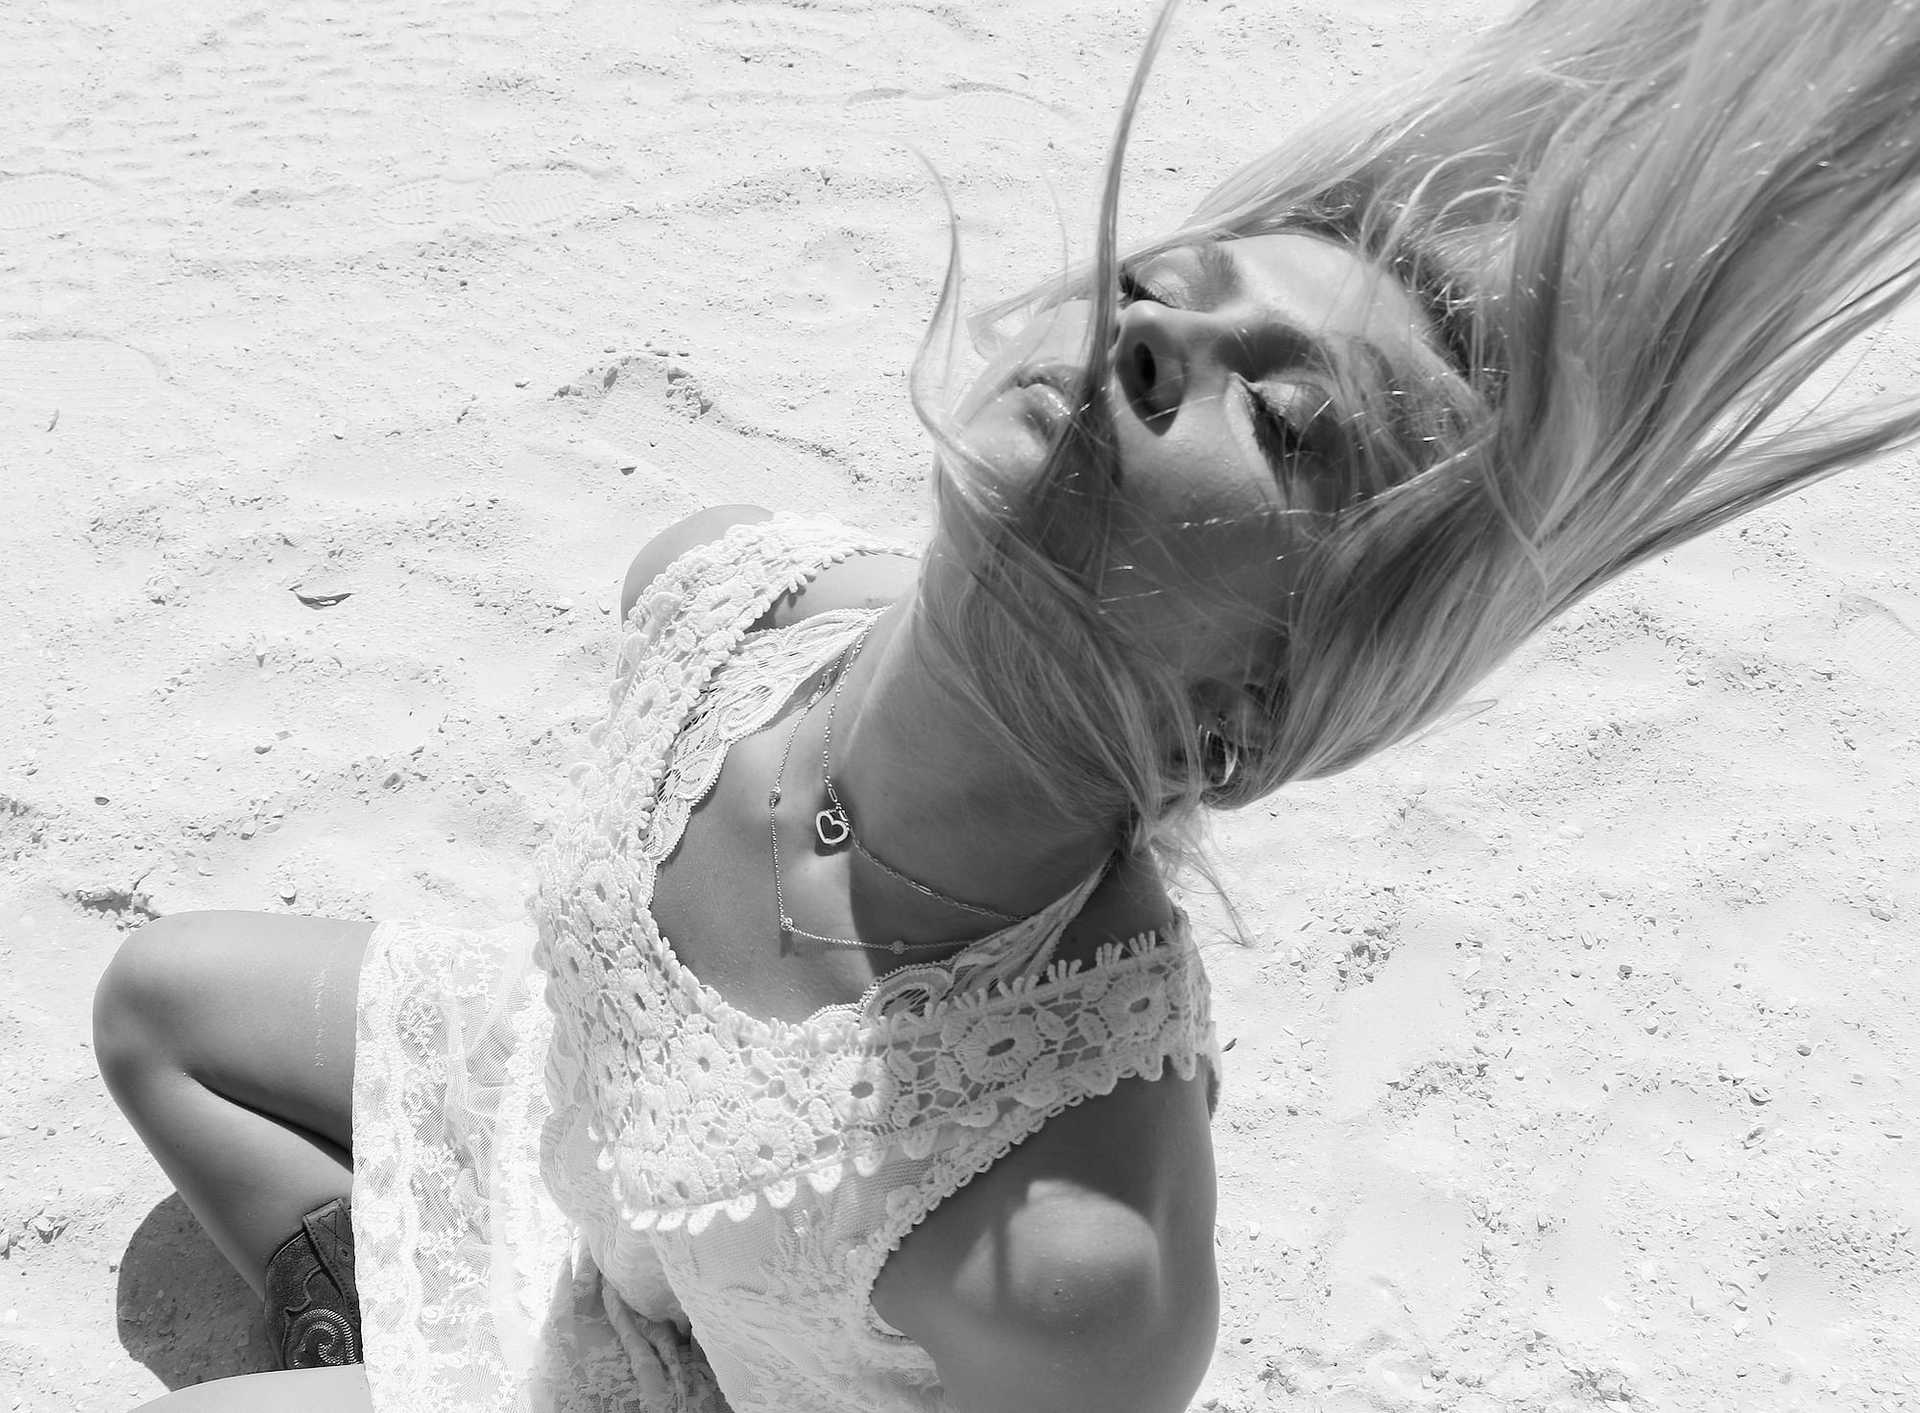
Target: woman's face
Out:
[1220,392]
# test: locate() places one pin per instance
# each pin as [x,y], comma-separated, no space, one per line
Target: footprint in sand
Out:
[653,414]
[73,379]
[1881,647]
[51,200]
[776,31]
[429,201]
[514,199]
[534,196]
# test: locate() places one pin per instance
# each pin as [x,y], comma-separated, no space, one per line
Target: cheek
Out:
[1191,479]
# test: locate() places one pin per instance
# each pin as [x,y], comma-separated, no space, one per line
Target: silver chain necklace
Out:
[834,829]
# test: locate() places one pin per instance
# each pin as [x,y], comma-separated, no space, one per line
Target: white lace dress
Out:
[583,1181]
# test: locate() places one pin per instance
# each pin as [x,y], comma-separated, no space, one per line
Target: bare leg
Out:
[227,1040]
[339,1390]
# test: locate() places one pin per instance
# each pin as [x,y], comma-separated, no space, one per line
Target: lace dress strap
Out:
[686,623]
[1020,949]
[695,612]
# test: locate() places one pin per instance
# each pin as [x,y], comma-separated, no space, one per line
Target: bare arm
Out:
[1077,1274]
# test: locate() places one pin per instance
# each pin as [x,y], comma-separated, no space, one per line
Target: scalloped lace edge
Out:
[931,1190]
[1180,1032]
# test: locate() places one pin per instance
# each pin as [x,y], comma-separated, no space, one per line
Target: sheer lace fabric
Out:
[583,1181]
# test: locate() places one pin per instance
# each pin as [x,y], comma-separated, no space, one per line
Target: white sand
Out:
[1575,1065]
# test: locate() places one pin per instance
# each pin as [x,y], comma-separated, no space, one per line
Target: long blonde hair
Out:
[1640,229]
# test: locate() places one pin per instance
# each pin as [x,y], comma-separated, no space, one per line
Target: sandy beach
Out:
[348,353]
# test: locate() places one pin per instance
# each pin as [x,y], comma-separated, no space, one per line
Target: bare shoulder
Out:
[866,581]
[1078,1271]
[699,528]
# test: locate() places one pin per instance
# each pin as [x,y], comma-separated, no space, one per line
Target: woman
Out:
[891,1122]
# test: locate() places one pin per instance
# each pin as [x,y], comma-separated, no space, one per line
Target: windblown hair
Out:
[1639,230]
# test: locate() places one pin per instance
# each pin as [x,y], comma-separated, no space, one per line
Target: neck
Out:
[936,795]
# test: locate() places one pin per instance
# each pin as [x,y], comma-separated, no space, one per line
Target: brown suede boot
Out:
[313,1306]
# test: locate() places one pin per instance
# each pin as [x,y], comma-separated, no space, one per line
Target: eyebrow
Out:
[1218,269]
[1450,336]
[1221,278]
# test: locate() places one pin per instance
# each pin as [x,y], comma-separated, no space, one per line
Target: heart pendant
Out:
[832,826]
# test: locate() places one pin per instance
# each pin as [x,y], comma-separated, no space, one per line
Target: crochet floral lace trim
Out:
[748,1123]
[1187,1047]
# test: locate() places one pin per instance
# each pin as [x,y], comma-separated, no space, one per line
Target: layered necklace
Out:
[834,828]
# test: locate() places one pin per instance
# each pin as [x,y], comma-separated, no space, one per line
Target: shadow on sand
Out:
[183,1311]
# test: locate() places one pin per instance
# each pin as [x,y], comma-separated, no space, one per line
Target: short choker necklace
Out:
[834,828]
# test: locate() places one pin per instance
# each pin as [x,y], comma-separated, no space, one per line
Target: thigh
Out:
[259,1007]
[341,1390]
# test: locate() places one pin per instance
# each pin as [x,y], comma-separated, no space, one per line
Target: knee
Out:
[138,1004]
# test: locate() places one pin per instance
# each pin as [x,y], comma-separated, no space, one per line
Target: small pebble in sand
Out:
[288,894]
[1626,970]
[1804,1048]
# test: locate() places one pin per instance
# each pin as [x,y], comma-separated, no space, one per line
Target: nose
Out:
[1152,360]
[1167,357]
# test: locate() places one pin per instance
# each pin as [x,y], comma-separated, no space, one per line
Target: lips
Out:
[1048,396]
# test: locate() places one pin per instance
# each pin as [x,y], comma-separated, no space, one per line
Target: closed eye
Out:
[1135,289]
[1280,429]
